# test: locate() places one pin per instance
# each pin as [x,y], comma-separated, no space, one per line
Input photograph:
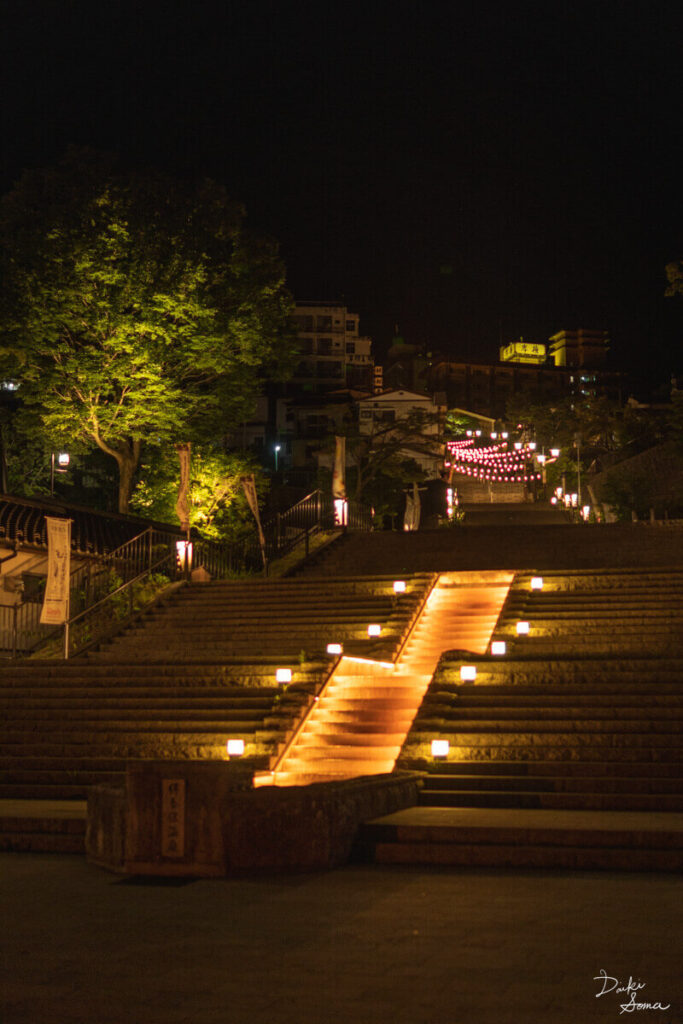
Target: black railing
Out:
[21,631]
[281,533]
[103,586]
[92,533]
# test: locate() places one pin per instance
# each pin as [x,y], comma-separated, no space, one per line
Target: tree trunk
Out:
[126,470]
[127,458]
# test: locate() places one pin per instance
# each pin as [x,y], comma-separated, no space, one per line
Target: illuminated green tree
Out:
[136,309]
[217,505]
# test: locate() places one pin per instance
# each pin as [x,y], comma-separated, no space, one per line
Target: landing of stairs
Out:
[489,837]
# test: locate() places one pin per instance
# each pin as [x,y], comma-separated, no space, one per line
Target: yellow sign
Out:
[523,352]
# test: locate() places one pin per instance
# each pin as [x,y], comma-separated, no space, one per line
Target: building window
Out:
[324,323]
[351,326]
[324,346]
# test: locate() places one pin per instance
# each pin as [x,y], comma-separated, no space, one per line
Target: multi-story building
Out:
[333,354]
[570,365]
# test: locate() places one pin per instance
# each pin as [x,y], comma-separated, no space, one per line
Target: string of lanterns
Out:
[497,462]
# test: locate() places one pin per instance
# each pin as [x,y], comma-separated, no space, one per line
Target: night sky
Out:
[473,172]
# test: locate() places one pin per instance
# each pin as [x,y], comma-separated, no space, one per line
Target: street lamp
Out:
[276,450]
[63,459]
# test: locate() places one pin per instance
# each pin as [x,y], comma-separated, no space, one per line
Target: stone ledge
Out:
[230,828]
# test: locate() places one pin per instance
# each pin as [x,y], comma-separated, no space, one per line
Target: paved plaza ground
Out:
[355,946]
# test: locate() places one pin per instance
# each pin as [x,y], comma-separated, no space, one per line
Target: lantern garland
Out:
[496,462]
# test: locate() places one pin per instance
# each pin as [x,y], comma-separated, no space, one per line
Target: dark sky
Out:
[470,171]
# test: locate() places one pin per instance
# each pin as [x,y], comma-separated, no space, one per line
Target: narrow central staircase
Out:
[360,721]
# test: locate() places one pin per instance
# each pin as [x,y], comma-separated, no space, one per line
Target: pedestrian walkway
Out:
[360,945]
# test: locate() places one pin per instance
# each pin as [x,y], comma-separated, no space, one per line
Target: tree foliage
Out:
[217,505]
[136,308]
[383,461]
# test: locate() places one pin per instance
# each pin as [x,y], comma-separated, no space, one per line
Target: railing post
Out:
[14,631]
[66,640]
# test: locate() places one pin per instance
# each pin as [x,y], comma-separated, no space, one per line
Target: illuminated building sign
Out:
[523,352]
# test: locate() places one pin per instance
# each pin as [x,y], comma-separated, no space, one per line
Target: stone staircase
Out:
[487,491]
[574,720]
[281,617]
[360,721]
[193,674]
[503,545]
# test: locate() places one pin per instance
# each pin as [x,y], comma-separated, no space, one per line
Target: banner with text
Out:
[56,601]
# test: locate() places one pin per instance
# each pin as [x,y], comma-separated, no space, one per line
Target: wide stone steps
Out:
[50,828]
[98,717]
[570,839]
[511,721]
[323,742]
[143,703]
[446,786]
[593,801]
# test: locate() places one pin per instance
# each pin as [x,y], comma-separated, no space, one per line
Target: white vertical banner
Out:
[341,505]
[182,507]
[339,472]
[249,487]
[56,600]
[408,514]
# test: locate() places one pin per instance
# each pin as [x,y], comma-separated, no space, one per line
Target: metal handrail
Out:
[416,617]
[127,586]
[289,743]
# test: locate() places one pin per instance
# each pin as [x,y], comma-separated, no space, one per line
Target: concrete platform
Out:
[361,945]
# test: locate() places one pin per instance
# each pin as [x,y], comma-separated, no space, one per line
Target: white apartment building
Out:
[333,354]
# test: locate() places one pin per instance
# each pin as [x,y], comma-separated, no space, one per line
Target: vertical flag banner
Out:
[417,507]
[183,505]
[56,601]
[249,487]
[338,475]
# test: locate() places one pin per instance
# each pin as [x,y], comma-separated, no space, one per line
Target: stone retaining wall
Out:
[203,819]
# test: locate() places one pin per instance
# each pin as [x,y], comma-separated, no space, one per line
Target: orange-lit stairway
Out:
[361,719]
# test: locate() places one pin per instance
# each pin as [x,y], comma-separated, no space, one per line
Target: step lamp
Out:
[440,748]
[235,748]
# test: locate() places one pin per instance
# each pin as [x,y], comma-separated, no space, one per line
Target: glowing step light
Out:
[537,583]
[374,629]
[522,628]
[399,586]
[283,675]
[235,748]
[498,647]
[468,673]
[440,748]
[335,649]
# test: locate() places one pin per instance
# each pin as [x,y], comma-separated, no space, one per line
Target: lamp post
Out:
[63,459]
[276,449]
[577,442]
